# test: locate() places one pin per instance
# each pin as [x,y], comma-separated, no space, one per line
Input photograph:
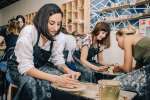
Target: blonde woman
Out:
[138,47]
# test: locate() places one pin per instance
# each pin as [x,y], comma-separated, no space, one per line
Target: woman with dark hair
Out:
[21,21]
[63,49]
[10,35]
[29,67]
[89,46]
[62,52]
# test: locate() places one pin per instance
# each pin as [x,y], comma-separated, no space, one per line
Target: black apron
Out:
[87,74]
[30,88]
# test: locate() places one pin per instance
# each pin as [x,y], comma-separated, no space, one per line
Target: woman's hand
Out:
[65,81]
[74,75]
[102,68]
[117,69]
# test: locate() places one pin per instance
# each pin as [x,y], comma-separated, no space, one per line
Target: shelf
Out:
[29,17]
[119,13]
[74,15]
[81,4]
[74,27]
[108,9]
[77,17]
[74,5]
[126,17]
[140,3]
[81,28]
[69,5]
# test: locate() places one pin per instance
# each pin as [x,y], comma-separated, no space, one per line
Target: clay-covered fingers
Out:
[103,68]
[75,75]
[67,78]
[69,82]
[63,81]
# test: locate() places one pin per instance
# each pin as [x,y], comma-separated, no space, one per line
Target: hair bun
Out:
[129,30]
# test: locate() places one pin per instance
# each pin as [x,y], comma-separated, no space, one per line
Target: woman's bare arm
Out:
[83,58]
[100,58]
[128,58]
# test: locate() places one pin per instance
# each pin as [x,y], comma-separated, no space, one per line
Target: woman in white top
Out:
[63,48]
[28,66]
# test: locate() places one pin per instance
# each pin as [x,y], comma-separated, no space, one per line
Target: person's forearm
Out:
[64,68]
[125,69]
[100,58]
[88,64]
[41,75]
[122,69]
[102,63]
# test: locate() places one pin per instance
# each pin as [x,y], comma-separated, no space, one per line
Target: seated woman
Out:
[21,21]
[10,35]
[63,48]
[70,46]
[90,46]
[138,47]
[28,66]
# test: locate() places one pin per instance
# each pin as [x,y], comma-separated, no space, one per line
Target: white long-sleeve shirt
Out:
[28,38]
[24,48]
[62,42]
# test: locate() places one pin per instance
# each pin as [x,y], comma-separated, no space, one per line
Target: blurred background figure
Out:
[10,35]
[21,21]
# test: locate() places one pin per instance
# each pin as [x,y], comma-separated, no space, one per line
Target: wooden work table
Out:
[92,92]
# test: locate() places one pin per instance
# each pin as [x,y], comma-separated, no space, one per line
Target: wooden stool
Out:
[11,91]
